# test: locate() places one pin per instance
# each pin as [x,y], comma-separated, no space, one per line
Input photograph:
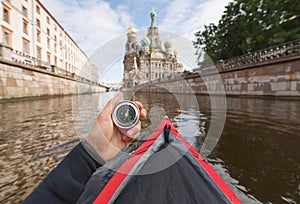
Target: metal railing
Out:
[24,58]
[21,57]
[272,53]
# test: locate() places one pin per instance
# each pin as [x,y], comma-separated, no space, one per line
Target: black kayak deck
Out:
[164,169]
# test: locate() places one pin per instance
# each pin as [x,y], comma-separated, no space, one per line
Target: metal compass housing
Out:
[126,114]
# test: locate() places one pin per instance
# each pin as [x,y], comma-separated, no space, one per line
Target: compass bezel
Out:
[134,121]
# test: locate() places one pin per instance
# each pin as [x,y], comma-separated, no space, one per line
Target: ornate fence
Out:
[272,53]
[23,58]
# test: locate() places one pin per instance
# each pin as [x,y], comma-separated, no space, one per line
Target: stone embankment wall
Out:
[19,80]
[267,79]
[279,77]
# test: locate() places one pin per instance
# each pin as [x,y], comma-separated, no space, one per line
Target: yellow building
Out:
[36,38]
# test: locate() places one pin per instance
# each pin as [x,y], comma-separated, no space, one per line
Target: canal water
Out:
[257,154]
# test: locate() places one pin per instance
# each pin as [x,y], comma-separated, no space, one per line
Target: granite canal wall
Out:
[271,72]
[20,80]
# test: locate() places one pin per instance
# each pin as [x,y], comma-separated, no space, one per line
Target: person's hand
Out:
[105,137]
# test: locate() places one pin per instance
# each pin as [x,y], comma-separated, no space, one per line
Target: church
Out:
[148,60]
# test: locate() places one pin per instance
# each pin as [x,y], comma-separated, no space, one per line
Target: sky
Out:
[94,23]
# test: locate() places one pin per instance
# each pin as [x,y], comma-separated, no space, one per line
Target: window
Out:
[48,58]
[55,38]
[48,43]
[48,31]
[38,35]
[38,52]
[38,10]
[24,11]
[6,16]
[55,27]
[48,20]
[55,60]
[25,27]
[38,23]
[6,38]
[25,46]
[6,35]
[55,47]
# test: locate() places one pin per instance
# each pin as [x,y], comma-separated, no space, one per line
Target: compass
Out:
[126,114]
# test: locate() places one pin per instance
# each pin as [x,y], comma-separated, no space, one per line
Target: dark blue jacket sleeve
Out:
[66,182]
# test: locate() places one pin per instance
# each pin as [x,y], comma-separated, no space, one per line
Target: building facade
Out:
[147,60]
[36,38]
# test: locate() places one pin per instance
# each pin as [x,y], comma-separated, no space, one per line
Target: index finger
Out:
[139,104]
[143,111]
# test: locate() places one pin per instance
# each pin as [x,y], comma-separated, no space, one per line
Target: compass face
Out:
[126,115]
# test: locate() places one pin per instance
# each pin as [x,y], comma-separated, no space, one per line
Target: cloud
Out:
[185,17]
[94,23]
[90,23]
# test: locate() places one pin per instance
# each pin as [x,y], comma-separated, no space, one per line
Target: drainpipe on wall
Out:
[33,29]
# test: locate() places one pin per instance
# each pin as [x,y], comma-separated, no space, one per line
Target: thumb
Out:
[108,109]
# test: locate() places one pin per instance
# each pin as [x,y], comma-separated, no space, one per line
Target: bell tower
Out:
[153,34]
[131,44]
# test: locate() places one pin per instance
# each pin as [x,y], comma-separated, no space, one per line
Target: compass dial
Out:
[126,114]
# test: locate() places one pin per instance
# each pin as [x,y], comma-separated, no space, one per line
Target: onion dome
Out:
[145,41]
[132,30]
[168,44]
[140,46]
[152,14]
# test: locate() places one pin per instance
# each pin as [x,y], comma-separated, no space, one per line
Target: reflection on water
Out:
[257,155]
[31,137]
[260,148]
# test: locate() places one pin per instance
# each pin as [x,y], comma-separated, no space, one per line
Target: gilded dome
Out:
[131,29]
[145,41]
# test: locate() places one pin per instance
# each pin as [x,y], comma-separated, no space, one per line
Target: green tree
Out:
[248,26]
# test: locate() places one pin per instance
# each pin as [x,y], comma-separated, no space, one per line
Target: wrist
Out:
[92,152]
